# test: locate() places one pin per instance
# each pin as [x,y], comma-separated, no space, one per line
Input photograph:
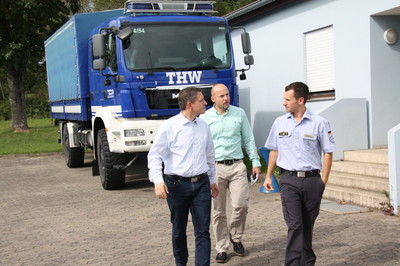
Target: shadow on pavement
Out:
[136,175]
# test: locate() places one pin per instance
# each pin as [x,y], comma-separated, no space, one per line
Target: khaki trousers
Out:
[233,178]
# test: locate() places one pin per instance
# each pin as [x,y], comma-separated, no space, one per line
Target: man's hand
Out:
[268,183]
[161,190]
[256,171]
[214,190]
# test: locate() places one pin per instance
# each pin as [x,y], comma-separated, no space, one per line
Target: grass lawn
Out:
[42,138]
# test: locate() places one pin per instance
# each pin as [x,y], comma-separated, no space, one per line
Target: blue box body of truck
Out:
[67,66]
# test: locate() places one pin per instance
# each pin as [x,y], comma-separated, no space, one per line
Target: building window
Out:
[320,71]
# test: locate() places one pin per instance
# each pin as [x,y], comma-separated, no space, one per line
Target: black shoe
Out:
[221,257]
[238,248]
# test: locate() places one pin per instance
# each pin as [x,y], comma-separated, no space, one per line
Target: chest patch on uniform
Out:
[283,133]
[308,136]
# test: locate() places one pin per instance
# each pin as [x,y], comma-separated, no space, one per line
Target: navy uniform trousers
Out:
[301,200]
[185,196]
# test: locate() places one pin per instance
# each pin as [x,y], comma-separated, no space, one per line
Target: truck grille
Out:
[166,97]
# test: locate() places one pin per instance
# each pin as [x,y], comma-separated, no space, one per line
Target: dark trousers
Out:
[195,197]
[301,200]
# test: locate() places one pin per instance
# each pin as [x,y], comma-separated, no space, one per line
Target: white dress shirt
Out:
[185,147]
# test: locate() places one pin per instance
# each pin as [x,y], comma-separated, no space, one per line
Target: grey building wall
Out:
[385,79]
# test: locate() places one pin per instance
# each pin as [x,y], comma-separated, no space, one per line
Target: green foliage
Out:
[25,25]
[37,101]
[4,102]
[264,167]
[226,6]
[222,6]
[42,138]
[249,166]
[36,94]
[5,110]
[108,4]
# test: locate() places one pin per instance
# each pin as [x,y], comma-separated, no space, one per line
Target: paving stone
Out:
[53,215]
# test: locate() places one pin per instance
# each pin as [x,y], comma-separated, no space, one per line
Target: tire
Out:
[111,178]
[74,157]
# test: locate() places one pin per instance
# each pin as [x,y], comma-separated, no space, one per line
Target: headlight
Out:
[134,133]
[135,143]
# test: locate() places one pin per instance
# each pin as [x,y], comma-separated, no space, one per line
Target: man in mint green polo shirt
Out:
[231,131]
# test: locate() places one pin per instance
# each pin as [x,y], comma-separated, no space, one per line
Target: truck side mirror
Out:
[99,45]
[99,51]
[246,44]
[125,33]
[248,60]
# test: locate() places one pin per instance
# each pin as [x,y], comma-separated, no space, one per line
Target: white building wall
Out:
[279,53]
[385,79]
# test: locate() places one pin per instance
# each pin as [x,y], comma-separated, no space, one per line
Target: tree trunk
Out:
[15,79]
[3,96]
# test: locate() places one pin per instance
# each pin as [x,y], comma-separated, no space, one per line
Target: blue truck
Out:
[114,76]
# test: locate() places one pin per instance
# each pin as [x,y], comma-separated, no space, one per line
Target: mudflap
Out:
[95,168]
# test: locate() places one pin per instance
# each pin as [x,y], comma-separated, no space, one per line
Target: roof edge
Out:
[247,8]
[254,9]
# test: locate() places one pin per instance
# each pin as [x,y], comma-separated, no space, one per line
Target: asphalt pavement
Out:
[54,215]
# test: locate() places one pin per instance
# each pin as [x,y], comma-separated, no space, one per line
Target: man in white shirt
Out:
[184,145]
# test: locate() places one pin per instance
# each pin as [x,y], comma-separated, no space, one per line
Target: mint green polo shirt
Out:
[230,132]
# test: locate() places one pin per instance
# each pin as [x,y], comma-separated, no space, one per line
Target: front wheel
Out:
[111,178]
[74,157]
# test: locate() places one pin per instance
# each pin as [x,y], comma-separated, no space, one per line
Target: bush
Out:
[37,108]
[5,113]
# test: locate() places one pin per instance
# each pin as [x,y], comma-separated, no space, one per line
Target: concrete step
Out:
[365,182]
[379,156]
[355,196]
[361,168]
[362,178]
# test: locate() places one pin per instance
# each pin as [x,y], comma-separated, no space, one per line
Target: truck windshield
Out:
[160,47]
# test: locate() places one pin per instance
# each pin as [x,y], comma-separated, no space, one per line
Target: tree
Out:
[25,25]
[108,4]
[226,6]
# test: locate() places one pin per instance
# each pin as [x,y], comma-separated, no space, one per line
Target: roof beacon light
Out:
[144,7]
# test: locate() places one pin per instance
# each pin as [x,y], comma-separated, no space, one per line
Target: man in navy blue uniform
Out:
[298,141]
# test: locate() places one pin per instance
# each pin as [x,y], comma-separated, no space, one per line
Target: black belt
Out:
[301,173]
[228,162]
[192,179]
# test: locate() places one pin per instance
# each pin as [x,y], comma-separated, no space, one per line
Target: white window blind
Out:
[319,60]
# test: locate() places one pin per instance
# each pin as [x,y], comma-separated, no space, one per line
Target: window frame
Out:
[320,65]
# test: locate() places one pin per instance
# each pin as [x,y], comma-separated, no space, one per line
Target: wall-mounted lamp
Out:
[390,36]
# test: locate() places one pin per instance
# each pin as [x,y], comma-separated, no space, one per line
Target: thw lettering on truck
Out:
[182,77]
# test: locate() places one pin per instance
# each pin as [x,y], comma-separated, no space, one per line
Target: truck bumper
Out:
[133,135]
